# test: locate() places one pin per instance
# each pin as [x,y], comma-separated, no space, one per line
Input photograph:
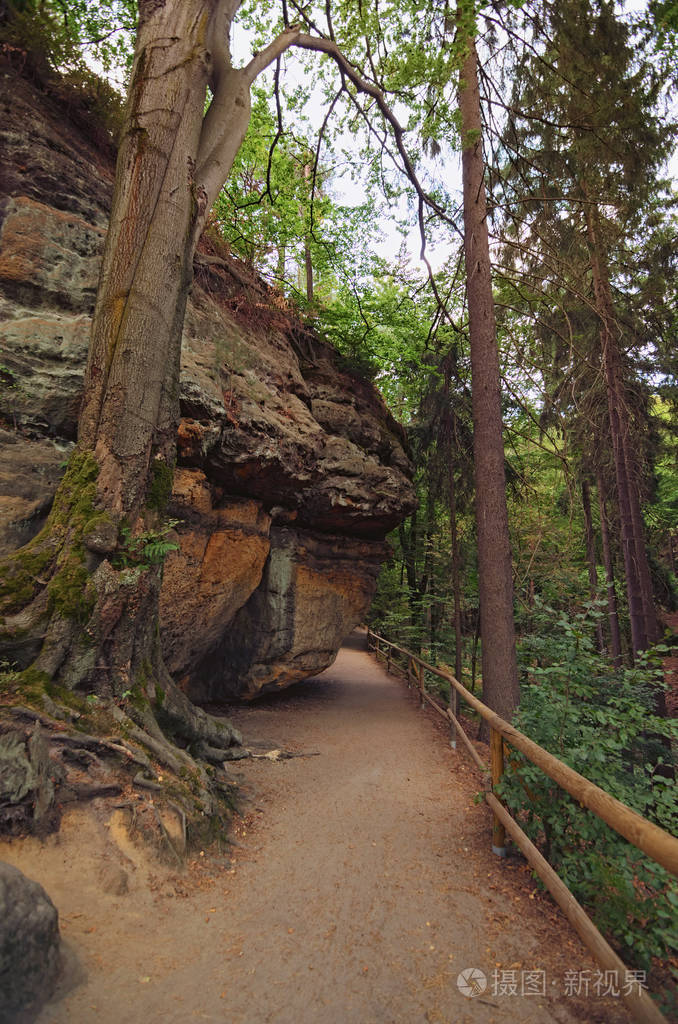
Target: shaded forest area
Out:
[533,361]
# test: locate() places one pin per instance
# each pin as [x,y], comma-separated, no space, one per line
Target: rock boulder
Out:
[30,960]
[290,470]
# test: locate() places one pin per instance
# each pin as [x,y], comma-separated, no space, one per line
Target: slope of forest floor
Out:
[361,886]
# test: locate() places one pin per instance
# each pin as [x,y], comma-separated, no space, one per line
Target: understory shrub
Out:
[600,721]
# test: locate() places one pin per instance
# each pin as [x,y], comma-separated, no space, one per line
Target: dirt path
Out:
[362,887]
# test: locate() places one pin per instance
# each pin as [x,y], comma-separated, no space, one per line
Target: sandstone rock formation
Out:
[290,469]
[30,959]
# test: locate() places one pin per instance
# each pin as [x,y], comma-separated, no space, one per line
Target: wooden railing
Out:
[654,841]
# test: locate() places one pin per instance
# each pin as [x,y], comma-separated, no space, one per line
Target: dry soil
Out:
[361,887]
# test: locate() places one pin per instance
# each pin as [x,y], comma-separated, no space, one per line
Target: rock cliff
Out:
[290,469]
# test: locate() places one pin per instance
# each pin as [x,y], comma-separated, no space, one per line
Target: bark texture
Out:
[500,673]
[642,613]
[591,554]
[608,562]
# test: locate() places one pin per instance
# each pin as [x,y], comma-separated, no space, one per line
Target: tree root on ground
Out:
[151,751]
[47,762]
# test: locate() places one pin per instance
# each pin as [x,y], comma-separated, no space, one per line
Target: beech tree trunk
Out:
[164,186]
[94,603]
[500,673]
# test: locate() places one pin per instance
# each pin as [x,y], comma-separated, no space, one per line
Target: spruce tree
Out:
[584,142]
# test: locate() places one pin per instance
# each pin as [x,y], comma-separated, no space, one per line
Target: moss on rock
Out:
[27,686]
[162,479]
[60,541]
[72,515]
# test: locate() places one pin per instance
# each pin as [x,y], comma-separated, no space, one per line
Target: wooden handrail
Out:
[639,1002]
[648,837]
[658,844]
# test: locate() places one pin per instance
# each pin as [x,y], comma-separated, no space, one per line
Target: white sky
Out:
[347,192]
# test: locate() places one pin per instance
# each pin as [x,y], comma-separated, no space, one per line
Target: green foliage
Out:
[145,549]
[662,30]
[602,723]
[62,33]
[547,530]
[278,213]
[64,43]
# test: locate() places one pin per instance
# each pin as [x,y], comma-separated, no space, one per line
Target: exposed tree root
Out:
[80,749]
[78,619]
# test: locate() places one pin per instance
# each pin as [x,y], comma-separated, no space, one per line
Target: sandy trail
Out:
[363,885]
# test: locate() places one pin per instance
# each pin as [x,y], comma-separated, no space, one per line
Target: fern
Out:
[149,548]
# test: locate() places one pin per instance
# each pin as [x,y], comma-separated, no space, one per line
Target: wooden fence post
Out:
[497,768]
[421,685]
[454,708]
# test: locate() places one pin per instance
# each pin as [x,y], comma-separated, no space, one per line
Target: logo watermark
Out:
[473,982]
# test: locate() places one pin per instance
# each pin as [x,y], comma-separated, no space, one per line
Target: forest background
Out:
[577,132]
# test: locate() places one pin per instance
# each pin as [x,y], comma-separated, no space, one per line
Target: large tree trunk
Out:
[84,593]
[644,626]
[499,667]
[456,576]
[612,611]
[129,414]
[591,555]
